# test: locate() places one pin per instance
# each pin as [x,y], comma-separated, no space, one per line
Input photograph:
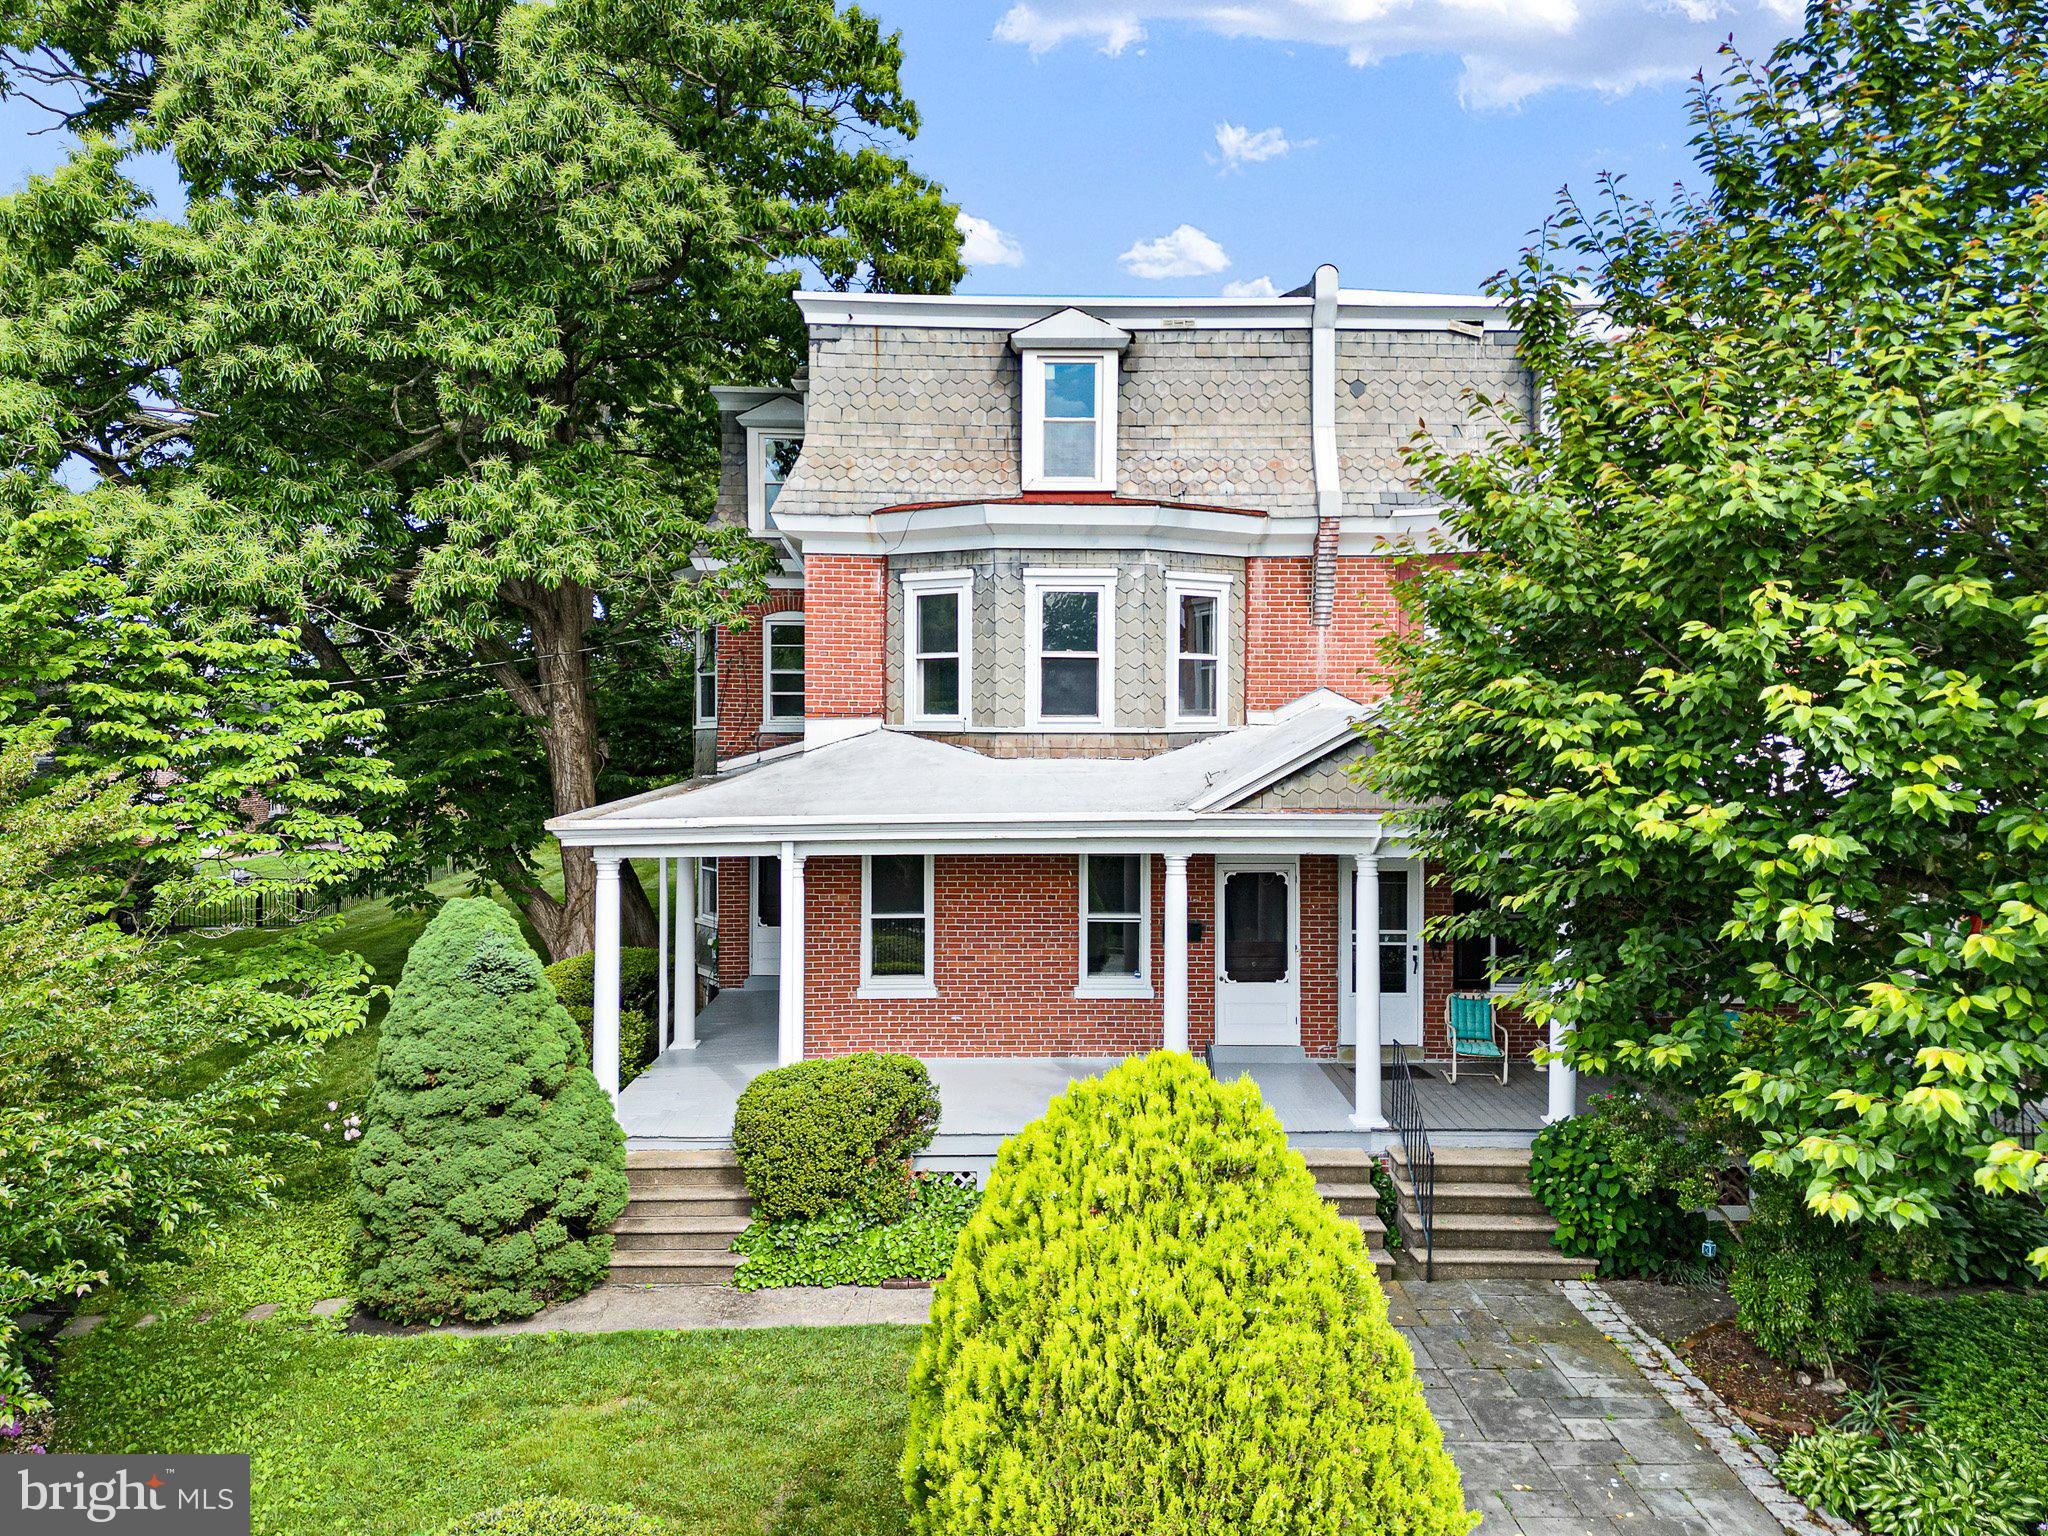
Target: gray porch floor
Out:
[687,1098]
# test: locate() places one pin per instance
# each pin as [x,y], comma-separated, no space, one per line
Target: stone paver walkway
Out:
[1556,1431]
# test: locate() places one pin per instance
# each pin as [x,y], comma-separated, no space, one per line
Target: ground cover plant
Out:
[848,1246]
[1627,1190]
[491,1167]
[1154,1323]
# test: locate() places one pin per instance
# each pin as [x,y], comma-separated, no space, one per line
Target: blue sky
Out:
[1179,146]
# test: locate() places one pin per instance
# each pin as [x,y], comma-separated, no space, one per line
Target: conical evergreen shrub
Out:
[1154,1326]
[491,1167]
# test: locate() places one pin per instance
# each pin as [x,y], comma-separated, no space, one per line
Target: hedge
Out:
[491,1166]
[843,1129]
[1154,1323]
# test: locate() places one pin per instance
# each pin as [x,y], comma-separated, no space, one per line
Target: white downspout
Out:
[1322,385]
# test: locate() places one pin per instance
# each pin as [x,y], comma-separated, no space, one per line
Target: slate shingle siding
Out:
[1324,785]
[1391,382]
[731,506]
[1002,634]
[1222,417]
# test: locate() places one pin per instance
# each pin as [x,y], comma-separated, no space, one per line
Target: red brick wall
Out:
[735,911]
[845,599]
[1320,943]
[739,679]
[1286,655]
[1007,960]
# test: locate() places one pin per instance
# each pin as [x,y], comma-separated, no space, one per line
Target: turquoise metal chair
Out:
[1474,1032]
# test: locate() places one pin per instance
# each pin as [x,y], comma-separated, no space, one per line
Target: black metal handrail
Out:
[2023,1123]
[1404,1111]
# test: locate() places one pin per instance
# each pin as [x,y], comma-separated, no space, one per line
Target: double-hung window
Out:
[706,896]
[1485,962]
[1071,620]
[896,925]
[1198,613]
[707,675]
[782,671]
[1115,952]
[938,644]
[778,458]
[1069,422]
[774,436]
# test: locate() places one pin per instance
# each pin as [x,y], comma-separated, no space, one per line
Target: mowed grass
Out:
[783,1432]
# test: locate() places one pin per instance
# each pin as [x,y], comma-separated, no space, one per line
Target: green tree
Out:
[1154,1323]
[491,1167]
[1741,705]
[425,363]
[139,1082]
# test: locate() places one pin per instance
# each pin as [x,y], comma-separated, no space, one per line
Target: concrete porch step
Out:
[1475,1165]
[1351,1199]
[1462,1234]
[673,1268]
[665,1169]
[653,1234]
[1463,1198]
[680,1204]
[1496,1264]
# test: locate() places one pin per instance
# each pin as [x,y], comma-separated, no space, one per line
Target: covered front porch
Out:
[686,1098]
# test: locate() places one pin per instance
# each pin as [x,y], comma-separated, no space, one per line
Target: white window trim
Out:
[1181,584]
[699,674]
[872,985]
[930,584]
[1034,476]
[1052,579]
[771,722]
[758,439]
[706,917]
[1139,985]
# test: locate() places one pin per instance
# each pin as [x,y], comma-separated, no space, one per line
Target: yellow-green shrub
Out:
[1154,1324]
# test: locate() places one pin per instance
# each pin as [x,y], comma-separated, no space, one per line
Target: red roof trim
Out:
[1070,499]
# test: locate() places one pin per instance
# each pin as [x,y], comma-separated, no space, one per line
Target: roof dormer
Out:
[1068,366]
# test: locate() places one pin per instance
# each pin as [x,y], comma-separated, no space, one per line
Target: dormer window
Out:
[1069,369]
[775,436]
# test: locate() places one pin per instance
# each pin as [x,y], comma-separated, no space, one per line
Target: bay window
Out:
[938,626]
[1198,609]
[1072,626]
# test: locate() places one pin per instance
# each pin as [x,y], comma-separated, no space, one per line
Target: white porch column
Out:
[1176,980]
[604,1000]
[661,956]
[790,1044]
[1563,1085]
[1366,1111]
[685,990]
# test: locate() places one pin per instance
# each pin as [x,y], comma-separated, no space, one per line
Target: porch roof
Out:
[889,785]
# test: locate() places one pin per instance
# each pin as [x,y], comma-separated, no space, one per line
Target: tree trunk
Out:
[566,712]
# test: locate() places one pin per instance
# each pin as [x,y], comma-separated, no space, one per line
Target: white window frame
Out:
[758,439]
[1180,584]
[872,985]
[705,900]
[1139,985]
[707,649]
[920,584]
[1034,476]
[770,721]
[1038,583]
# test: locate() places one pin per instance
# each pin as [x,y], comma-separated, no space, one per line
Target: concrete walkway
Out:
[1556,1430]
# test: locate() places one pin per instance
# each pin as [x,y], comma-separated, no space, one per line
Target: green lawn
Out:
[785,1432]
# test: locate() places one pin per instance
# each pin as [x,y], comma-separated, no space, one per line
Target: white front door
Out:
[1400,939]
[764,921]
[1258,953]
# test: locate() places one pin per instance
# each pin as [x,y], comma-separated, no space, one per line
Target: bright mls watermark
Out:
[142,1495]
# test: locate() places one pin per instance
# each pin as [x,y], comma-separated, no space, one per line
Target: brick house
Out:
[1035,754]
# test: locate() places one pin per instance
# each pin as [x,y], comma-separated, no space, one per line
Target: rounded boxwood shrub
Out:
[553,1517]
[491,1167]
[1154,1323]
[811,1135]
[1801,1284]
[1614,1176]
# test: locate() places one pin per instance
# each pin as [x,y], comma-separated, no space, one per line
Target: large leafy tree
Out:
[139,1081]
[1743,705]
[426,358]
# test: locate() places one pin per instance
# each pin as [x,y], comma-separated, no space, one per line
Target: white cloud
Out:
[1237,145]
[1187,252]
[1510,49]
[1041,33]
[1251,288]
[983,245]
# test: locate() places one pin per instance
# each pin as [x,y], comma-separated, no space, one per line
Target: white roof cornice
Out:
[1356,310]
